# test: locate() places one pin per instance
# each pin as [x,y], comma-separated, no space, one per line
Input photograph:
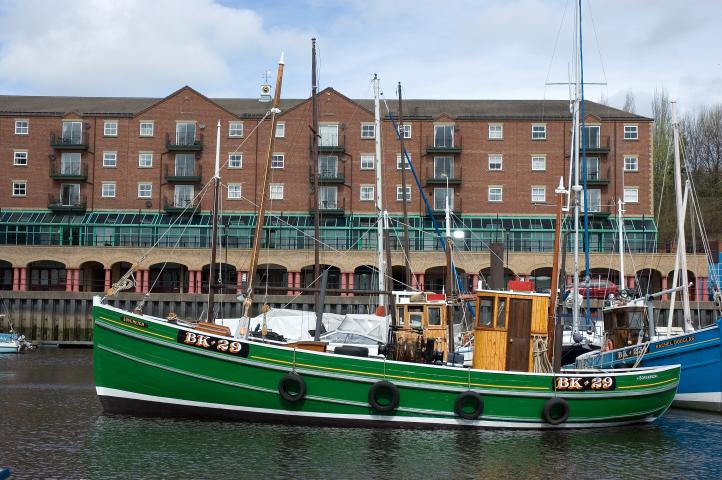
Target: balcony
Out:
[329,208]
[434,145]
[69,142]
[181,205]
[183,174]
[441,180]
[597,211]
[598,178]
[183,143]
[455,209]
[72,205]
[597,145]
[77,172]
[330,144]
[328,176]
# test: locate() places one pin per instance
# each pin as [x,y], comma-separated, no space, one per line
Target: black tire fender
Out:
[552,404]
[379,387]
[292,387]
[463,398]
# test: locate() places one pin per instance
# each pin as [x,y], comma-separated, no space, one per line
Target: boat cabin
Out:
[507,324]
[625,325]
[421,331]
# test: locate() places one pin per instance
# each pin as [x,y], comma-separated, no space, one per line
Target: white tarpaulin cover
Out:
[292,324]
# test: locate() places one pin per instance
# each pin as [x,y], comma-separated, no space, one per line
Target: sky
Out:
[457,49]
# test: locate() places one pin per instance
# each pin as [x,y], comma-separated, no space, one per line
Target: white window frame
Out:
[18,155]
[544,163]
[18,184]
[275,191]
[494,134]
[235,129]
[280,130]
[634,195]
[369,191]
[541,194]
[633,132]
[399,193]
[108,132]
[535,135]
[145,123]
[406,130]
[142,193]
[365,132]
[140,157]
[234,186]
[240,157]
[275,162]
[495,157]
[106,156]
[399,162]
[496,189]
[636,163]
[107,194]
[19,129]
[367,156]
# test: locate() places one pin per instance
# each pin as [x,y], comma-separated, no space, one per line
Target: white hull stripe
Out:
[711,397]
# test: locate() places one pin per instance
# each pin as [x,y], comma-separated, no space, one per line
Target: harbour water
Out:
[52,426]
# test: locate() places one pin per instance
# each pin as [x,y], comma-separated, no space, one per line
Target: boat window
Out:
[416,314]
[400,320]
[636,320]
[501,314]
[486,307]
[434,316]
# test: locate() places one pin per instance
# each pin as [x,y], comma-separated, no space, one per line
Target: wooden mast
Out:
[248,303]
[552,330]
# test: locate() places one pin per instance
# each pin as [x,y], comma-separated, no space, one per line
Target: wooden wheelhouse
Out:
[421,330]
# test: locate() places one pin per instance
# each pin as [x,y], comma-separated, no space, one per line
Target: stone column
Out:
[107,279]
[290,283]
[23,279]
[350,283]
[665,286]
[68,279]
[16,279]
[199,281]
[297,281]
[703,288]
[76,280]
[476,282]
[630,281]
[144,284]
[138,276]
[344,283]
[191,281]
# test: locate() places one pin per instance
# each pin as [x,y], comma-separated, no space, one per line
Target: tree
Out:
[629,103]
[662,166]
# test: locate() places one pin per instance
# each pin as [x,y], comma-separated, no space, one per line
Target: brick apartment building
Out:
[92,183]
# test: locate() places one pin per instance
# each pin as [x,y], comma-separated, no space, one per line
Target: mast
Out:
[585,193]
[552,330]
[314,161]
[260,220]
[449,280]
[576,188]
[405,246]
[212,284]
[379,204]
[620,228]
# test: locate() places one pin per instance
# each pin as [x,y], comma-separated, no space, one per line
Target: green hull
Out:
[146,366]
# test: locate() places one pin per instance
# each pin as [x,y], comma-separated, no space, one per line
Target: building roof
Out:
[250,107]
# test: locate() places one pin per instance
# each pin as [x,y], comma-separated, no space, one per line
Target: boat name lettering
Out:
[134,321]
[584,383]
[646,377]
[676,341]
[630,352]
[215,344]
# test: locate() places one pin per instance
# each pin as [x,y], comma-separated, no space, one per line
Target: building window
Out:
[631,163]
[235,160]
[235,129]
[328,166]
[440,196]
[495,162]
[70,163]
[110,159]
[592,136]
[538,131]
[406,130]
[72,133]
[496,131]
[329,135]
[20,158]
[145,160]
[631,195]
[443,168]
[538,163]
[20,188]
[367,193]
[280,129]
[398,162]
[631,132]
[368,162]
[399,193]
[444,136]
[277,160]
[327,198]
[538,194]
[145,190]
[183,196]
[368,130]
[108,190]
[276,191]
[495,194]
[234,191]
[110,128]
[595,199]
[146,129]
[185,133]
[22,127]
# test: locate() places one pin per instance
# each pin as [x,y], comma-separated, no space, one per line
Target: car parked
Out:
[599,289]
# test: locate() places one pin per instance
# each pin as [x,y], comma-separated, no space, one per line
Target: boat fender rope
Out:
[384,386]
[469,398]
[549,412]
[292,387]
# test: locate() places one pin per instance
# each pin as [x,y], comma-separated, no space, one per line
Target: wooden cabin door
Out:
[519,330]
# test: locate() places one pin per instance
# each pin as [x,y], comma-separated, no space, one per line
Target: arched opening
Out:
[92,277]
[435,279]
[485,277]
[225,275]
[334,277]
[693,292]
[366,277]
[542,278]
[118,269]
[167,278]
[398,275]
[600,274]
[6,275]
[46,275]
[648,281]
[271,275]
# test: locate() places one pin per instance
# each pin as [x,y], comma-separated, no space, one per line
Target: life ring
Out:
[388,389]
[549,413]
[292,387]
[469,398]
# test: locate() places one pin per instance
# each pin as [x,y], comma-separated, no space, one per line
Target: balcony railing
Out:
[69,142]
[327,175]
[440,179]
[598,145]
[435,145]
[598,211]
[455,208]
[183,173]
[76,171]
[183,143]
[329,207]
[180,205]
[330,144]
[69,205]
[597,177]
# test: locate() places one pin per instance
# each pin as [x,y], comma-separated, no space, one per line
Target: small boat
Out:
[10,343]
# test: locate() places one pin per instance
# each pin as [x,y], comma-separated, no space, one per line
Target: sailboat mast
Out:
[620,228]
[576,188]
[379,203]
[314,161]
[212,284]
[405,245]
[449,279]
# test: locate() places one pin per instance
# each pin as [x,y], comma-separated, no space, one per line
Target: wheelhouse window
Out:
[501,313]
[444,136]
[416,316]
[486,311]
[434,316]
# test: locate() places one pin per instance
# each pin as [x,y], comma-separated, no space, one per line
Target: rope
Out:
[541,361]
